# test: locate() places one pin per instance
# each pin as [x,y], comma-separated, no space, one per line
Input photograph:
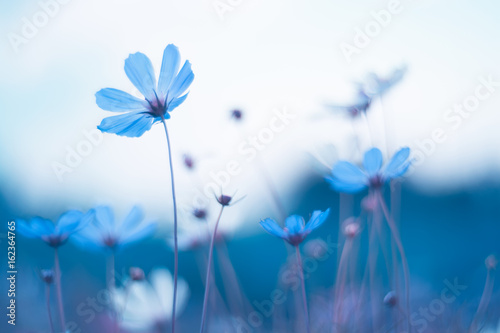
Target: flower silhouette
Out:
[349,178]
[54,234]
[104,233]
[159,99]
[295,230]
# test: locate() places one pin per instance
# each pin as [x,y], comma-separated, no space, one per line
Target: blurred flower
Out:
[200,213]
[296,230]
[224,200]
[160,99]
[148,304]
[104,233]
[375,86]
[360,105]
[53,234]
[349,178]
[491,262]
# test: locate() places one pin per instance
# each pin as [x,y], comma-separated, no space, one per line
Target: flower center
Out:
[376,181]
[157,107]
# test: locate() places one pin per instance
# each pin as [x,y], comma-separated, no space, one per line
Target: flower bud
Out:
[351,228]
[369,203]
[188,161]
[224,200]
[391,299]
[47,275]
[491,262]
[136,274]
[236,114]
[200,213]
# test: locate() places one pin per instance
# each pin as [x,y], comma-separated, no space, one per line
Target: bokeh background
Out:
[259,57]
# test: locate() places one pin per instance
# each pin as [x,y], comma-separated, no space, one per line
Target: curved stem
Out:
[49,313]
[57,272]
[399,244]
[304,297]
[209,269]
[483,303]
[176,249]
[111,283]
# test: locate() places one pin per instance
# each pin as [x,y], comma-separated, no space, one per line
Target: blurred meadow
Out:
[285,93]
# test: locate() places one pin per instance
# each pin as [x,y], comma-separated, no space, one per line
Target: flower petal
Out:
[349,173]
[104,219]
[24,229]
[273,228]
[132,220]
[176,102]
[372,161]
[132,124]
[140,72]
[398,164]
[317,219]
[181,82]
[42,226]
[341,186]
[69,222]
[169,67]
[136,235]
[110,99]
[294,224]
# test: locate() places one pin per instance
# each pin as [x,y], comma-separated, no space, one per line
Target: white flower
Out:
[147,304]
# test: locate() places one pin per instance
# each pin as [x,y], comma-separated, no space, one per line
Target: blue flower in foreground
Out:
[104,233]
[295,230]
[54,234]
[159,99]
[349,178]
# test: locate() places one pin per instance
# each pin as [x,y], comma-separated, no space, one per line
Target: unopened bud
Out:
[351,228]
[136,274]
[491,262]
[47,275]
[391,299]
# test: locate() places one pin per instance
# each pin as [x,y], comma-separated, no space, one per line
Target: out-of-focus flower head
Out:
[491,262]
[54,234]
[351,227]
[136,274]
[295,230]
[360,105]
[149,302]
[391,299]
[103,232]
[200,213]
[349,178]
[375,86]
[159,99]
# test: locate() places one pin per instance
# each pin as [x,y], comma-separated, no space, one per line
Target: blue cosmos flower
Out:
[104,233]
[349,178]
[54,234]
[159,99]
[295,230]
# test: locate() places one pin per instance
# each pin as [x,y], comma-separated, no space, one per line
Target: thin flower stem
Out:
[57,278]
[49,313]
[399,244]
[209,269]
[111,283]
[176,246]
[304,297]
[483,303]
[340,280]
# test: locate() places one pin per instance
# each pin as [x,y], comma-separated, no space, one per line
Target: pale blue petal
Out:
[105,219]
[341,186]
[69,222]
[372,161]
[42,226]
[294,224]
[110,99]
[317,219]
[24,229]
[181,82]
[136,235]
[132,220]
[169,67]
[349,173]
[176,102]
[140,72]
[273,228]
[132,124]
[398,164]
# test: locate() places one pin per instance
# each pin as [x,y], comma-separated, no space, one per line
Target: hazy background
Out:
[259,57]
